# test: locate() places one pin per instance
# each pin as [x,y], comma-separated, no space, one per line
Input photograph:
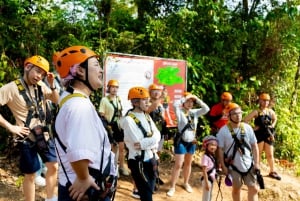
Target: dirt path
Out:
[285,190]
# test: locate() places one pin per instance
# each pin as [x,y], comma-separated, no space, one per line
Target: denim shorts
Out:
[29,161]
[63,194]
[185,147]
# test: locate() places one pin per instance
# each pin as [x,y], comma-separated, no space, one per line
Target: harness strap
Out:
[117,111]
[29,103]
[238,146]
[146,134]
[212,169]
[107,168]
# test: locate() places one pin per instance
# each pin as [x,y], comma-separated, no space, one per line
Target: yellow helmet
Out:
[38,61]
[226,96]
[264,96]
[138,93]
[114,83]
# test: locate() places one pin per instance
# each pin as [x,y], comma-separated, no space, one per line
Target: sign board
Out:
[134,70]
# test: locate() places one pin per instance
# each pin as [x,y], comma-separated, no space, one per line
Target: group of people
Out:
[235,148]
[89,143]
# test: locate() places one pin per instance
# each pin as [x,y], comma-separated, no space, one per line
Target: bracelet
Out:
[53,88]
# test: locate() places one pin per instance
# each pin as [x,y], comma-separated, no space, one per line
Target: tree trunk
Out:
[296,87]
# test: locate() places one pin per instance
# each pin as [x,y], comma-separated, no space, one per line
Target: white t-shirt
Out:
[225,140]
[81,131]
[133,134]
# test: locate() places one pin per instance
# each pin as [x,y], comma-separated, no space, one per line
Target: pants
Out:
[144,187]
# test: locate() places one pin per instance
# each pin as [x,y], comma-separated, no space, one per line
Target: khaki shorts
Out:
[238,180]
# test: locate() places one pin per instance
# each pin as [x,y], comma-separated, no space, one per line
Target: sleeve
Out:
[6,94]
[151,142]
[177,104]
[204,108]
[204,161]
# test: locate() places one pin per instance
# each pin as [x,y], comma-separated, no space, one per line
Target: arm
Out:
[18,130]
[255,155]
[204,107]
[274,118]
[205,177]
[250,116]
[54,96]
[220,153]
[83,180]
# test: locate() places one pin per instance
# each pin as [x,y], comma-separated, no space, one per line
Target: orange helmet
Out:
[264,96]
[155,87]
[138,92]
[114,83]
[38,61]
[232,106]
[70,56]
[226,96]
[185,94]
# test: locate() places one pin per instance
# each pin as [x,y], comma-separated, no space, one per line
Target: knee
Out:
[253,190]
[52,167]
[29,177]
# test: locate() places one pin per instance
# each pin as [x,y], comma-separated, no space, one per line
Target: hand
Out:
[225,170]
[50,78]
[79,187]
[137,145]
[256,166]
[206,186]
[21,131]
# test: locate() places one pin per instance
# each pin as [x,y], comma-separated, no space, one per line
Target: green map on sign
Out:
[168,75]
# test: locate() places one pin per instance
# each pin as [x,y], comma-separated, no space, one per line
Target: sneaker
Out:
[52,199]
[135,194]
[40,181]
[171,192]
[188,188]
[124,171]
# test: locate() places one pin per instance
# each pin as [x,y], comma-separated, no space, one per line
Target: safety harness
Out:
[190,125]
[35,108]
[117,111]
[140,158]
[101,178]
[212,169]
[40,133]
[238,145]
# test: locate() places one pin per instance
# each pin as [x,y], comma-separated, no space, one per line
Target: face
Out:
[95,73]
[225,102]
[34,74]
[113,90]
[212,146]
[188,104]
[143,104]
[236,115]
[264,103]
[155,94]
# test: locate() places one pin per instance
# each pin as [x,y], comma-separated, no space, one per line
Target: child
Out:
[208,164]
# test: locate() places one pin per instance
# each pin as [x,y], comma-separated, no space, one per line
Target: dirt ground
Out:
[285,190]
